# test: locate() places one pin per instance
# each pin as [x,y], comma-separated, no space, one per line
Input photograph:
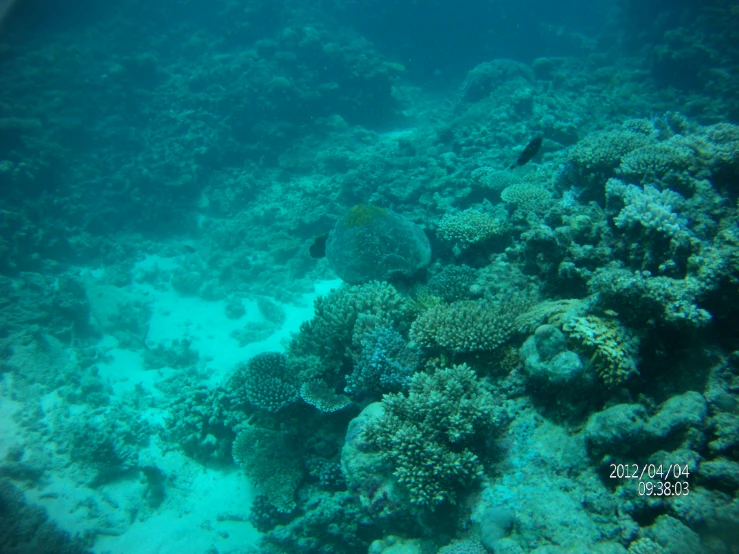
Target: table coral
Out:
[526,196]
[469,228]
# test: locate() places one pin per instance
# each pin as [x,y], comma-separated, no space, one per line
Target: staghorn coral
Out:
[270,462]
[614,347]
[647,207]
[265,381]
[318,394]
[469,228]
[433,436]
[385,364]
[469,325]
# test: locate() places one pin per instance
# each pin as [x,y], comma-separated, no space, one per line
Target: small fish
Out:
[188,248]
[532,148]
[318,248]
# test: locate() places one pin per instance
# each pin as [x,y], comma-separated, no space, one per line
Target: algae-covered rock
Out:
[373,243]
[551,367]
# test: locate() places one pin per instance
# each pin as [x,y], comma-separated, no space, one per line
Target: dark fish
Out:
[318,248]
[189,248]
[529,152]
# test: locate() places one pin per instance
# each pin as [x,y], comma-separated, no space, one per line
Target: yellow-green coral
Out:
[431,437]
[613,346]
[362,214]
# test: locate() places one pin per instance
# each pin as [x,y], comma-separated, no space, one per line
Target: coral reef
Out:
[469,228]
[265,381]
[372,243]
[468,325]
[168,168]
[614,347]
[433,437]
[386,363]
[266,458]
[201,420]
[343,316]
[648,207]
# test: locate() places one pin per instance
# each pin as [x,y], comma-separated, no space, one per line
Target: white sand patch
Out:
[203,513]
[204,508]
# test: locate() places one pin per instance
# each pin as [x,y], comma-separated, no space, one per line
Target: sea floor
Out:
[206,506]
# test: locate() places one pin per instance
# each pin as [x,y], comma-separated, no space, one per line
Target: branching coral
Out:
[386,363]
[613,346]
[200,421]
[648,207]
[330,332]
[468,325]
[596,157]
[433,437]
[265,381]
[270,462]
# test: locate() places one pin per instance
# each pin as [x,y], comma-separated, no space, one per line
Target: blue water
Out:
[313,276]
